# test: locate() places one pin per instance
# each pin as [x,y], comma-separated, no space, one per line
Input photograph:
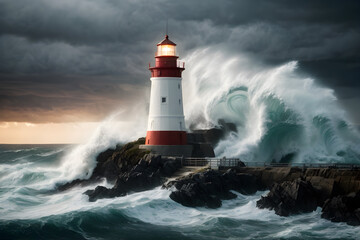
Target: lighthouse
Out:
[166,132]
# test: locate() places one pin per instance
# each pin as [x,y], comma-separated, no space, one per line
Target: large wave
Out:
[280,115]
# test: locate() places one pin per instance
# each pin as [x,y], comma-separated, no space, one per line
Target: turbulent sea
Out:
[279,114]
[30,210]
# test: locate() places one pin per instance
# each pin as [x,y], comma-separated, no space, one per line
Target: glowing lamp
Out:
[166,48]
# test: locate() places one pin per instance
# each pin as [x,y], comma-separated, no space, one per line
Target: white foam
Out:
[240,90]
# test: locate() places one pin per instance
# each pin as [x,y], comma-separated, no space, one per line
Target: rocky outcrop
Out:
[207,189]
[111,163]
[290,197]
[148,173]
[332,189]
[343,209]
[329,181]
[293,189]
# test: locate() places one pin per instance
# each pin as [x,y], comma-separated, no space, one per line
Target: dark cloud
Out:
[71,56]
[52,98]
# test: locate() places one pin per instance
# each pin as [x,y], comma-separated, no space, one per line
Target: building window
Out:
[163,99]
[179,86]
[179,101]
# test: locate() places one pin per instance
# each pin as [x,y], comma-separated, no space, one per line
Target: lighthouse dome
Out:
[166,41]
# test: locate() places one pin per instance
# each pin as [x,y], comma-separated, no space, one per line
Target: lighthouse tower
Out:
[166,133]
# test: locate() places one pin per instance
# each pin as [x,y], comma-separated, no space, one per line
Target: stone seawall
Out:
[329,181]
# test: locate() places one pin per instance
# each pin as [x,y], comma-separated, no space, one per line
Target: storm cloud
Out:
[75,60]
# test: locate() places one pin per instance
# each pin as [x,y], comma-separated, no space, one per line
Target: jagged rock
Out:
[325,186]
[102,192]
[127,156]
[343,209]
[207,189]
[148,173]
[243,183]
[104,167]
[111,163]
[170,167]
[194,195]
[290,198]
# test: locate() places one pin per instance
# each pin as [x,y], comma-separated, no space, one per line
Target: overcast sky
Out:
[74,61]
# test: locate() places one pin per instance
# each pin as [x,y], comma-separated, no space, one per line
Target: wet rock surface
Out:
[110,164]
[343,209]
[208,188]
[290,197]
[148,173]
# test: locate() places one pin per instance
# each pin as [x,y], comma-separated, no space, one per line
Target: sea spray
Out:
[81,160]
[280,115]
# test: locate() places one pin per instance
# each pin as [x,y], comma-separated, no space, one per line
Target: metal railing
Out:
[195,162]
[180,64]
[215,163]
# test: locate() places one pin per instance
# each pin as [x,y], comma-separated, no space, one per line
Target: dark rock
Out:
[102,192]
[170,167]
[110,164]
[207,189]
[154,161]
[243,183]
[76,182]
[241,164]
[104,167]
[148,173]
[290,198]
[192,195]
[127,156]
[343,209]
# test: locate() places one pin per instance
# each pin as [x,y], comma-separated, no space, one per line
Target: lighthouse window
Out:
[179,101]
[163,99]
[179,86]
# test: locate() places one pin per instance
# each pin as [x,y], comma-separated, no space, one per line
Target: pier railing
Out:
[216,163]
[213,163]
[195,162]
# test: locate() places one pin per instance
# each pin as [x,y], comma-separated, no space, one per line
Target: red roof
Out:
[166,41]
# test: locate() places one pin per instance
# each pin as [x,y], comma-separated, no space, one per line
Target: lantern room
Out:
[166,63]
[166,48]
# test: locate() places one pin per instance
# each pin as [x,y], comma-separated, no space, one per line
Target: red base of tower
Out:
[166,138]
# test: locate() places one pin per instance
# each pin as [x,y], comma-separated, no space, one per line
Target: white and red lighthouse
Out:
[166,133]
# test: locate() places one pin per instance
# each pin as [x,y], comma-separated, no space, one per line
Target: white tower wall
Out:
[166,105]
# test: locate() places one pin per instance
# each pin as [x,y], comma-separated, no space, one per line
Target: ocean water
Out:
[277,111]
[30,210]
